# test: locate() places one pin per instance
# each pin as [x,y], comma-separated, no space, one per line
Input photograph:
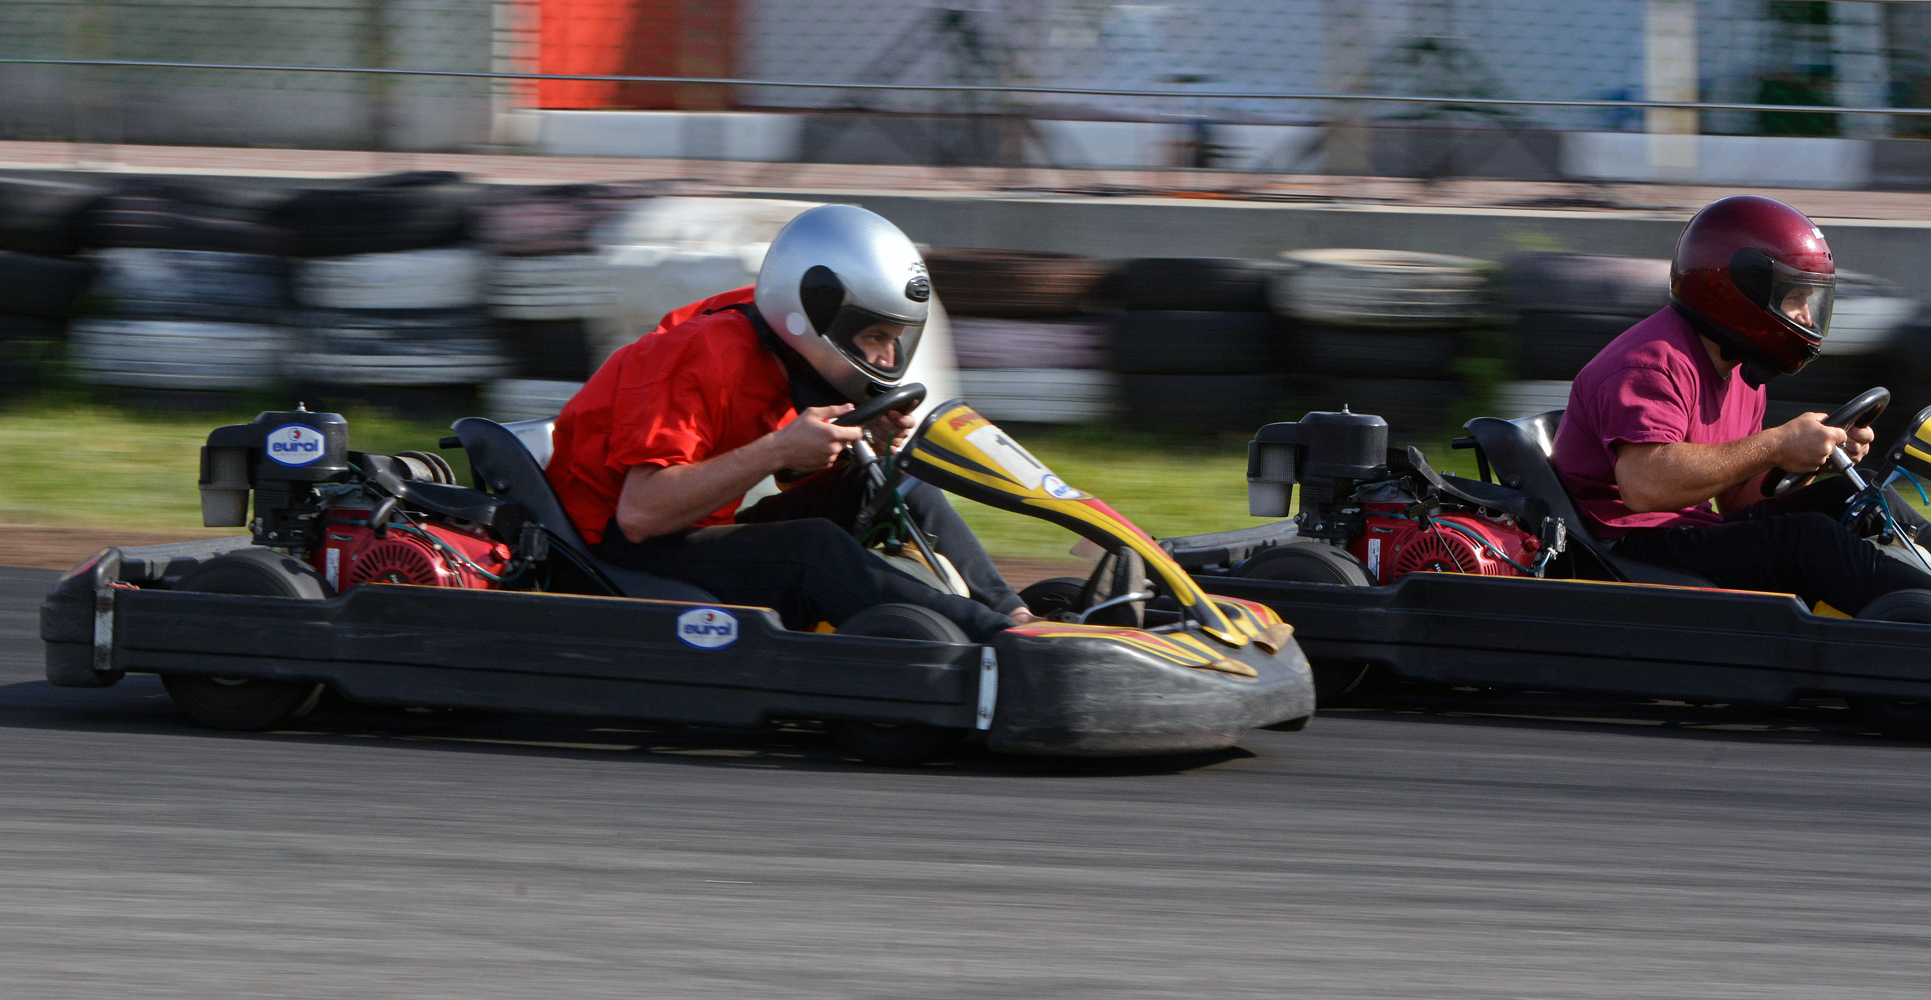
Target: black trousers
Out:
[1794,544]
[794,553]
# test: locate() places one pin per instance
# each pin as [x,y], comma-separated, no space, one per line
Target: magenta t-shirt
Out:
[1655,384]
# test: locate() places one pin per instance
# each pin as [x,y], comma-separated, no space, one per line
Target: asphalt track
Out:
[1520,846]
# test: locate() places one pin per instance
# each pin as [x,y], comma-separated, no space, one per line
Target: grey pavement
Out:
[1515,846]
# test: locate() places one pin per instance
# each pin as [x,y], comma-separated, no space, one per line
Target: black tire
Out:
[1411,406]
[1629,287]
[898,744]
[1555,346]
[1202,403]
[27,347]
[1899,719]
[42,217]
[1195,342]
[1323,564]
[1218,284]
[556,349]
[518,220]
[39,285]
[1302,562]
[1015,284]
[409,211]
[177,215]
[1350,352]
[241,704]
[1056,596]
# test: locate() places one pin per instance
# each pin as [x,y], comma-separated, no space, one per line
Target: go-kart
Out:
[381,578]
[1392,570]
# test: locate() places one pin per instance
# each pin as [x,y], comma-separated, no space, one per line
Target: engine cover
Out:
[1392,545]
[351,554]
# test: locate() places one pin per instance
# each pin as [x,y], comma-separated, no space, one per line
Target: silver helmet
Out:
[836,272]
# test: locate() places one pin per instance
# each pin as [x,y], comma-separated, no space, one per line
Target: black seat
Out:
[506,468]
[1519,451]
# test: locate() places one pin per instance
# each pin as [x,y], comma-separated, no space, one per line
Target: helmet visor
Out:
[879,346]
[1803,299]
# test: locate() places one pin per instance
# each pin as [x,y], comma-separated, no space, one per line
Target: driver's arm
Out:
[657,500]
[1660,477]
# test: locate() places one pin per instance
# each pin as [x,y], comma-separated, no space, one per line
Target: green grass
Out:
[68,459]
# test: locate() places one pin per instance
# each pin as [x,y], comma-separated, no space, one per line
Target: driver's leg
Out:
[956,542]
[1828,496]
[1806,554]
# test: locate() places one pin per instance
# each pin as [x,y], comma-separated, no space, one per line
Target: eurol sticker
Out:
[295,444]
[707,628]
[1056,487]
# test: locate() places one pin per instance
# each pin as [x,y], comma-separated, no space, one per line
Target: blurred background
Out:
[1152,226]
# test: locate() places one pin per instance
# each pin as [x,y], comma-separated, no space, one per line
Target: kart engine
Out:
[359,518]
[1384,506]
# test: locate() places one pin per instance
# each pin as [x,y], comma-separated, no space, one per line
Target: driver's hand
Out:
[811,442]
[1805,442]
[1859,444]
[895,427]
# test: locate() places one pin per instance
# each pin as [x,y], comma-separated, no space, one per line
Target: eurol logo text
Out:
[295,444]
[707,628]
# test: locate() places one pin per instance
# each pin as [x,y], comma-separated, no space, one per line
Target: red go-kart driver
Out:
[653,456]
[1663,444]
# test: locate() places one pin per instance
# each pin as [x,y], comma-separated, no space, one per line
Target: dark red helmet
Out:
[1759,270]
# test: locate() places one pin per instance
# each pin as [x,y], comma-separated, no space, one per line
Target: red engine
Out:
[1392,544]
[351,554]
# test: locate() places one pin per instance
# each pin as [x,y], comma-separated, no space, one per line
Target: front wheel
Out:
[1896,718]
[908,743]
[241,703]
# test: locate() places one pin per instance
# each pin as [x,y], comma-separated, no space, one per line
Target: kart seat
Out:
[506,466]
[1520,452]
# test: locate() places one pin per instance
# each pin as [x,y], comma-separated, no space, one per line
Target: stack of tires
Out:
[1566,308]
[547,283]
[1382,330]
[40,279]
[191,292]
[1195,345]
[392,302]
[1864,324]
[1028,347]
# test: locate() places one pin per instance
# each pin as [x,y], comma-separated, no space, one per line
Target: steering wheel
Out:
[904,397]
[1858,412]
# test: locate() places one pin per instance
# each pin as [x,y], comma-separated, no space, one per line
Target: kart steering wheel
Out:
[1859,412]
[904,397]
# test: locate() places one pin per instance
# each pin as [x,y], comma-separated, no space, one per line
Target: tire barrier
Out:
[1360,352]
[1868,312]
[1557,345]
[1526,399]
[42,285]
[1379,289]
[441,278]
[1412,407]
[1592,284]
[43,217]
[1004,343]
[1015,284]
[420,210]
[1177,342]
[1040,395]
[177,215]
[27,345]
[177,355]
[414,347]
[508,399]
[141,283]
[553,287]
[1218,284]
[1200,403]
[560,349]
[524,221]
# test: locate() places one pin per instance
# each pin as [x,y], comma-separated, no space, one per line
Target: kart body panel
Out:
[1646,640]
[1091,694]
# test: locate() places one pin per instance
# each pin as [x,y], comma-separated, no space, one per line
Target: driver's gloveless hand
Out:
[810,442]
[1860,442]
[1804,444]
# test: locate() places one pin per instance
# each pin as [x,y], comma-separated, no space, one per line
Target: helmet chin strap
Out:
[1756,369]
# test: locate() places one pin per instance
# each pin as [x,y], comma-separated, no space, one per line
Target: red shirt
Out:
[1655,384]
[692,389]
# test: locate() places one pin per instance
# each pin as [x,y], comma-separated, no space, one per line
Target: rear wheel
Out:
[1305,563]
[1897,718]
[901,744]
[242,703]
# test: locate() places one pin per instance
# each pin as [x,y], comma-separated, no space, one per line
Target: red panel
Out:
[695,38]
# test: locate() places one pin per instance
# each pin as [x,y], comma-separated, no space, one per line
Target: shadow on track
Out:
[139,705]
